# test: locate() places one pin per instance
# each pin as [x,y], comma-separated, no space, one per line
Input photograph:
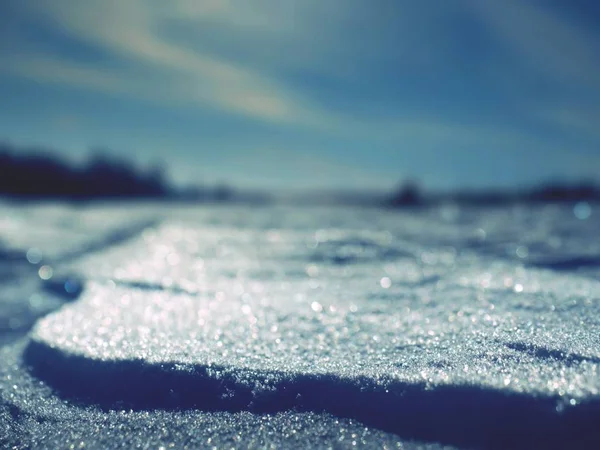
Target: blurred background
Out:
[254,100]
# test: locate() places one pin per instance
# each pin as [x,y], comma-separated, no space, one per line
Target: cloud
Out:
[573,119]
[43,68]
[559,59]
[548,42]
[128,31]
[243,57]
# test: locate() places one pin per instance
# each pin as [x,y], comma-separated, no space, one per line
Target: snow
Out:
[36,241]
[32,416]
[467,327]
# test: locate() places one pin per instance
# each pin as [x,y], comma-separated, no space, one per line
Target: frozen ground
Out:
[278,327]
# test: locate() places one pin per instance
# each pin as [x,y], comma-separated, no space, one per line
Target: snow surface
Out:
[38,240]
[468,327]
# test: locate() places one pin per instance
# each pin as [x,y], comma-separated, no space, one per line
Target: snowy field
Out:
[145,326]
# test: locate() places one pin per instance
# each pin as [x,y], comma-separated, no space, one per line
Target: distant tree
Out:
[408,194]
[156,179]
[223,193]
[37,173]
[558,192]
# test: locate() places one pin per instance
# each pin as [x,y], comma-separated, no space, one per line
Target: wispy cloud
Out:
[243,57]
[43,68]
[547,42]
[558,56]
[130,31]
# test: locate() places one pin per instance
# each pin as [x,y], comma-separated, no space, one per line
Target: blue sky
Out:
[311,93]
